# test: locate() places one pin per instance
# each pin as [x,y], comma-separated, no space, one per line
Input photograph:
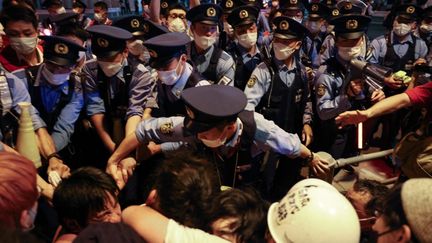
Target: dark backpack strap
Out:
[210,72]
[249,129]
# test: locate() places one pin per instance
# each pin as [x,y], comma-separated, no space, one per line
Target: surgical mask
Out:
[81,55]
[55,79]
[23,45]
[136,47]
[282,52]
[98,17]
[61,10]
[349,53]
[177,25]
[169,77]
[401,29]
[247,40]
[228,28]
[426,28]
[299,20]
[213,143]
[314,27]
[110,68]
[204,42]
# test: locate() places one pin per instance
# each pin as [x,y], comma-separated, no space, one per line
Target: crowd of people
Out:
[195,122]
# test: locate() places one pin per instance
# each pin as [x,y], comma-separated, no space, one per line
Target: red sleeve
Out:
[421,95]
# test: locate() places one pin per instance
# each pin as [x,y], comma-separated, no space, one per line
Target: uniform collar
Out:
[181,83]
[39,56]
[283,67]
[244,52]
[121,72]
[207,53]
[394,40]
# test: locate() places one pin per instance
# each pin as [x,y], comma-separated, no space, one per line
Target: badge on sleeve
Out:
[321,90]
[252,81]
[224,80]
[166,128]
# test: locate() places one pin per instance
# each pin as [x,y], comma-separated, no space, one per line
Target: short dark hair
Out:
[185,184]
[101,5]
[392,210]
[19,12]
[377,191]
[82,195]
[248,207]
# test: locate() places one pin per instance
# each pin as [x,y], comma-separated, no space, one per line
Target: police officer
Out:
[115,94]
[340,88]
[216,120]
[245,50]
[318,14]
[213,63]
[175,74]
[54,94]
[54,8]
[400,48]
[328,49]
[79,8]
[425,28]
[141,30]
[226,36]
[279,89]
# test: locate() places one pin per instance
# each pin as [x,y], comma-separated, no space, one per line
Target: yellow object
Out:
[26,140]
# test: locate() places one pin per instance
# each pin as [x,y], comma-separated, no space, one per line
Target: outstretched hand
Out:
[351,118]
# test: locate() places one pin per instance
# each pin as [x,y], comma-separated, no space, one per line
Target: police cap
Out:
[243,15]
[163,48]
[318,11]
[211,105]
[107,40]
[228,5]
[60,51]
[140,27]
[64,18]
[51,3]
[350,26]
[329,3]
[408,12]
[287,28]
[292,5]
[351,7]
[208,13]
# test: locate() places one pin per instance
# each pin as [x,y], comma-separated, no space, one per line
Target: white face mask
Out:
[110,68]
[213,143]
[169,77]
[98,17]
[426,28]
[228,28]
[349,53]
[401,29]
[247,40]
[23,45]
[176,25]
[282,52]
[329,29]
[81,55]
[136,47]
[204,42]
[61,10]
[55,79]
[299,20]
[314,26]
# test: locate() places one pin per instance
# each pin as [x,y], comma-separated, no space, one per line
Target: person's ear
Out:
[24,220]
[298,45]
[151,200]
[405,234]
[125,52]
[183,57]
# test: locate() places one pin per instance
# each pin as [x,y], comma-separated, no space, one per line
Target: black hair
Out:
[101,5]
[392,210]
[19,12]
[82,195]
[248,208]
[185,184]
[377,191]
[28,3]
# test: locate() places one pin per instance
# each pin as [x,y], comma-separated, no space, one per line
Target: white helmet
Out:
[312,182]
[313,214]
